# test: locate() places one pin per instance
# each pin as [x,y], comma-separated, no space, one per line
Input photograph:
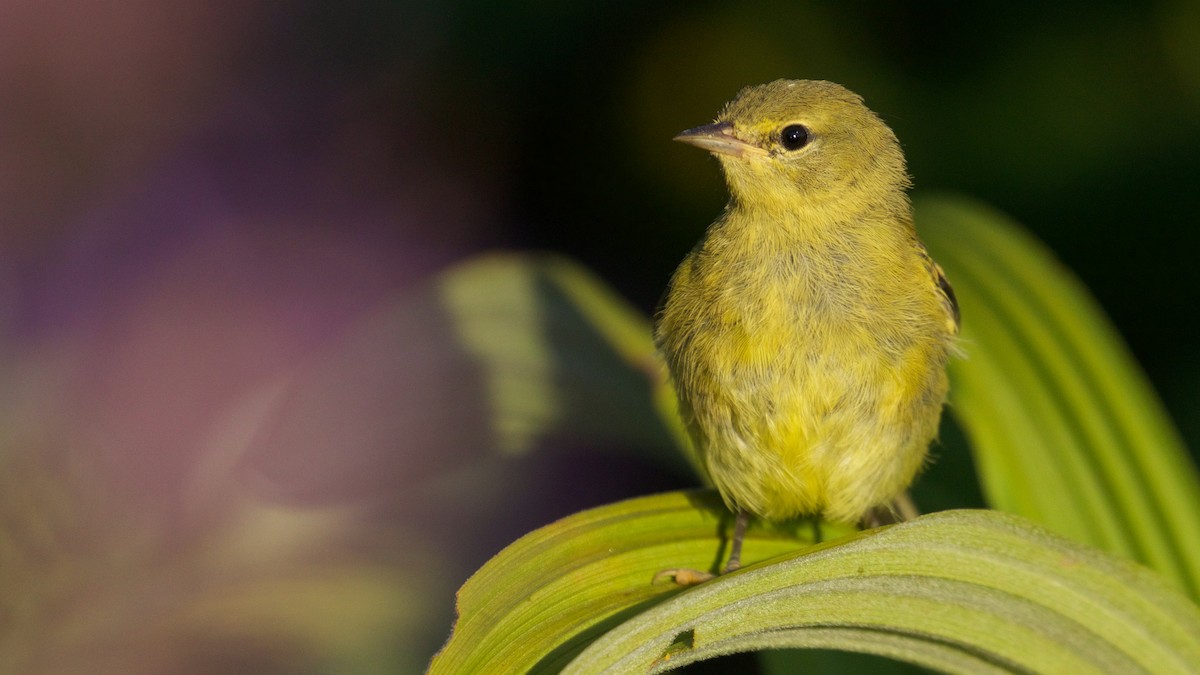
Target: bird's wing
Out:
[948,300]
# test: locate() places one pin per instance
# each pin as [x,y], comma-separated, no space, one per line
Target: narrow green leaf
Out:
[557,351]
[962,591]
[623,326]
[629,333]
[1064,426]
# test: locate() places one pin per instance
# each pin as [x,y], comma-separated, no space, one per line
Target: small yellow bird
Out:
[807,334]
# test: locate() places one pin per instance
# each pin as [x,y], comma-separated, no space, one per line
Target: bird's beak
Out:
[718,138]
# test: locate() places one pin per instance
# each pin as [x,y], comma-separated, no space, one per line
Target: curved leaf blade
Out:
[1065,428]
[558,353]
[963,591]
[629,333]
[549,594]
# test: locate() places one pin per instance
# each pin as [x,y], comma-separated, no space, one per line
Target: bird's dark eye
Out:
[794,136]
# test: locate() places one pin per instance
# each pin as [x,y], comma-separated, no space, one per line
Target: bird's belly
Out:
[816,417]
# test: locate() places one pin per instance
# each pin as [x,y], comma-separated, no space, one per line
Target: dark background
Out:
[199,201]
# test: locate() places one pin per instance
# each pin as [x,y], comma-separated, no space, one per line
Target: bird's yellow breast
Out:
[811,366]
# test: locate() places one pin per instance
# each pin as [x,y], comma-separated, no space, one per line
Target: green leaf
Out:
[966,591]
[558,352]
[547,595]
[626,331]
[1065,429]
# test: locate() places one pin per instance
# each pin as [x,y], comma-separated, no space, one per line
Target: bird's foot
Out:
[683,576]
[900,510]
[690,577]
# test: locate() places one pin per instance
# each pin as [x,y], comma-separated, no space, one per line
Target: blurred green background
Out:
[241,431]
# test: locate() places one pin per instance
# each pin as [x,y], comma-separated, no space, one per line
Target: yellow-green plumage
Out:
[807,334]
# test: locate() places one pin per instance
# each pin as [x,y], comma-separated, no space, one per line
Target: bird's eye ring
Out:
[794,136]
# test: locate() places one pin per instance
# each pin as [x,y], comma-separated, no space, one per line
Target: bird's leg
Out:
[735,546]
[905,508]
[900,510]
[690,577]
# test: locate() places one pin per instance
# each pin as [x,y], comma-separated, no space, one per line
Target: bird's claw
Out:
[683,576]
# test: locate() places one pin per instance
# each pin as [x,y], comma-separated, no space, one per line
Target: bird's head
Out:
[812,142]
